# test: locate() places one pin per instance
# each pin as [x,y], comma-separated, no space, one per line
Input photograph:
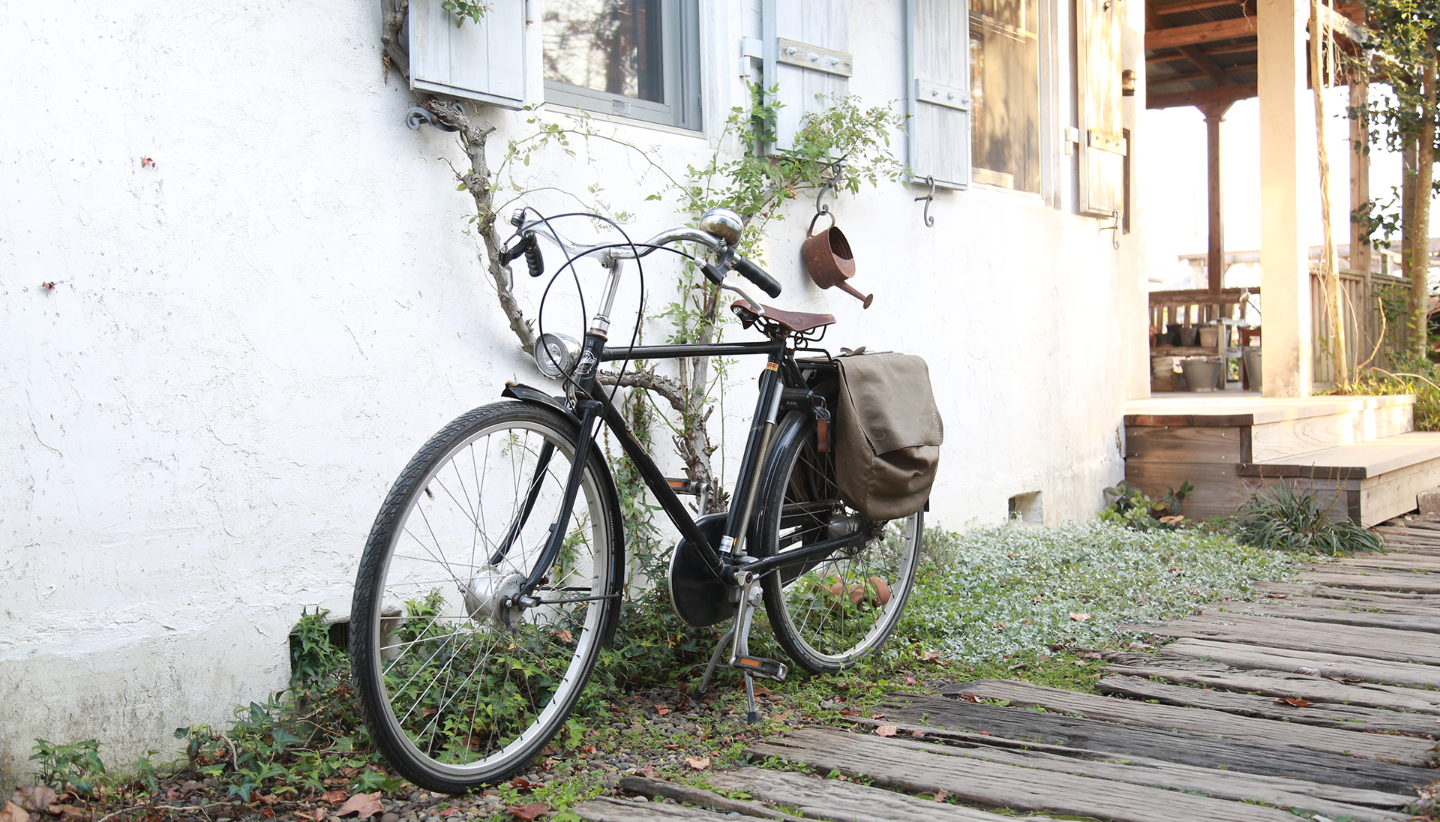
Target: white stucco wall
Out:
[247,340]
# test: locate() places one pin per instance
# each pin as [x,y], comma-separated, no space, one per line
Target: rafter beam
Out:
[1199,33]
[1202,97]
[1211,68]
[1193,5]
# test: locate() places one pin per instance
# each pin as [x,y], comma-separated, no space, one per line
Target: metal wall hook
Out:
[1115,238]
[416,116]
[835,173]
[928,198]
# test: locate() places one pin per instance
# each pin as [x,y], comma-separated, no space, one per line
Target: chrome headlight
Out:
[556,355]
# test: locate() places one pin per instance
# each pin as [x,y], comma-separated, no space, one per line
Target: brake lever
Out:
[756,308]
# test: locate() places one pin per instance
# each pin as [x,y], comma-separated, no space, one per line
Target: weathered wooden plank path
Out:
[1320,701]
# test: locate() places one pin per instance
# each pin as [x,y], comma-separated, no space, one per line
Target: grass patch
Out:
[1012,592]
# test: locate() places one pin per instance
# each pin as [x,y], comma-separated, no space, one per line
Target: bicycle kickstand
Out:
[740,658]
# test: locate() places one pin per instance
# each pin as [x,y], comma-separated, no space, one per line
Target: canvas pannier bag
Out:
[887,435]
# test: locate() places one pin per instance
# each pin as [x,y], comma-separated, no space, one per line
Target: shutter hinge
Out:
[750,49]
[815,58]
[937,94]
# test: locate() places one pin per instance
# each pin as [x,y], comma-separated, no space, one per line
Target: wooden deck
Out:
[1360,453]
[1318,699]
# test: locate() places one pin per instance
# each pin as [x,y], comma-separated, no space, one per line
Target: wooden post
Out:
[1408,165]
[1329,267]
[1360,252]
[1215,265]
[1360,258]
[1284,257]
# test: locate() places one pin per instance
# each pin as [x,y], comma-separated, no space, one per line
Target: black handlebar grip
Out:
[528,245]
[757,275]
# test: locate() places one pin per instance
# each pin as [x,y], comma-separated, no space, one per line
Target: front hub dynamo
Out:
[487,594]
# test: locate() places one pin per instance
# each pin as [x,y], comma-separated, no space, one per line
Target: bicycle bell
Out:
[723,224]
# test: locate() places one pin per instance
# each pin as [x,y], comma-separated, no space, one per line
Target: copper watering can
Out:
[829,260]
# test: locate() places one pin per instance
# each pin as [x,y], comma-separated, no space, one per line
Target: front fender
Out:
[525,393]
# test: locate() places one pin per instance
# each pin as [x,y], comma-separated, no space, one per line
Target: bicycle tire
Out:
[458,691]
[833,612]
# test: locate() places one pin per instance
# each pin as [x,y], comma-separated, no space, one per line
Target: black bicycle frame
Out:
[593,406]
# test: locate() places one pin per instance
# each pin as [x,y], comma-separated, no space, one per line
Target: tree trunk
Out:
[1419,250]
[1330,273]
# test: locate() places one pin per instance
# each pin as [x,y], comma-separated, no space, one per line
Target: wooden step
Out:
[1358,453]
[1360,460]
[1369,482]
[1273,428]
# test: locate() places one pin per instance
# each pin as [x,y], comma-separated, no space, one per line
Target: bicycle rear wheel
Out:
[830,613]
[459,690]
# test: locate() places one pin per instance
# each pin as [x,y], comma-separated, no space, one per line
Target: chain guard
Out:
[697,595]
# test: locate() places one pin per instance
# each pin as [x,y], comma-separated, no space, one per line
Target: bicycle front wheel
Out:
[458,688]
[830,613]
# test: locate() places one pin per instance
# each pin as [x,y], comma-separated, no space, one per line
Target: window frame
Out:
[995,179]
[681,77]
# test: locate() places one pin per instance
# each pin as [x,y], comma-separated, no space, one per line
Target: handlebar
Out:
[533,229]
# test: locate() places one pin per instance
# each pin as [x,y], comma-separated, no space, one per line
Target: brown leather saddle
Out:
[796,321]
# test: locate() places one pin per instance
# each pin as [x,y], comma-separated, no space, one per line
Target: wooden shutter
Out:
[806,46]
[1102,142]
[482,61]
[937,57]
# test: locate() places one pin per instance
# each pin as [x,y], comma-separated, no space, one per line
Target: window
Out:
[1005,93]
[632,58]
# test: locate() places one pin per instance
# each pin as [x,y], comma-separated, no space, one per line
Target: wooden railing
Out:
[1364,320]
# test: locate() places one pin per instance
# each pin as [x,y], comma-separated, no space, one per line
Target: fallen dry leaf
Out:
[909,680]
[647,771]
[970,697]
[1297,702]
[887,730]
[940,795]
[362,805]
[877,715]
[335,797]
[520,783]
[14,813]
[918,734]
[662,710]
[530,812]
[698,763]
[313,814]
[1090,655]
[67,813]
[1078,617]
[1081,663]
[34,798]
[1277,596]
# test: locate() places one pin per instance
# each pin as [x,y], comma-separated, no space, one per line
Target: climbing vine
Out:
[845,147]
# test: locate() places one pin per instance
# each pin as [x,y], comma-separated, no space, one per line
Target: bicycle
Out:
[494,572]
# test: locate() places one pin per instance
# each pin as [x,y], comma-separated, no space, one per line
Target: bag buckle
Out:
[822,424]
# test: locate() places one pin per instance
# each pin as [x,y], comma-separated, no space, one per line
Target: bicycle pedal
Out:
[761,667]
